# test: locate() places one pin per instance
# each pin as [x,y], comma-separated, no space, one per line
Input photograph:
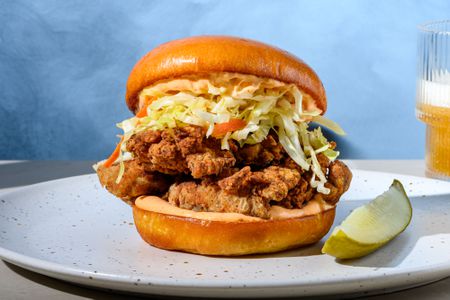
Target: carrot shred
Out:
[113,157]
[223,128]
[143,111]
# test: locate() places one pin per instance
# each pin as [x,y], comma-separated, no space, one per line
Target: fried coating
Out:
[339,179]
[135,181]
[247,179]
[183,150]
[244,192]
[269,151]
[272,183]
[210,197]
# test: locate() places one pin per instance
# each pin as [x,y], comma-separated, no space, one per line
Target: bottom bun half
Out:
[196,233]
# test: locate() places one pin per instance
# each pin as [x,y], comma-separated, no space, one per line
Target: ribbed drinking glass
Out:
[433,95]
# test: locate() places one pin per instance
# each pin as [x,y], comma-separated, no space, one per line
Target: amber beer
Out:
[437,156]
[433,95]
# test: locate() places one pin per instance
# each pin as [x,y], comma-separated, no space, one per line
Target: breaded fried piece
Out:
[339,179]
[183,150]
[209,197]
[267,152]
[135,181]
[244,192]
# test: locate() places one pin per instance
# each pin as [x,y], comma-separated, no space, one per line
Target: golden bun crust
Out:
[230,238]
[211,54]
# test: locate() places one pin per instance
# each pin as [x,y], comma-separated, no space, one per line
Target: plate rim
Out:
[17,259]
[434,272]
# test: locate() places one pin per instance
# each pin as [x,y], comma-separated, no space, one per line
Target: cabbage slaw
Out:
[264,105]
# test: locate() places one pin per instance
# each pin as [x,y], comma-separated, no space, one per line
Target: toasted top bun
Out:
[213,54]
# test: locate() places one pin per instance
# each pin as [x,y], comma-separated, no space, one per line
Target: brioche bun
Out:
[226,234]
[214,54]
[229,234]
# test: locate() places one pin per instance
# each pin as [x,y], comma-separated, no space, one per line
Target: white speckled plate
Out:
[73,230]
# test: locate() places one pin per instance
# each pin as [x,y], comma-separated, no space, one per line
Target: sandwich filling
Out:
[226,142]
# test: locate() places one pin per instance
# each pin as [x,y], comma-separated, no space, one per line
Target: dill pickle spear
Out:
[371,226]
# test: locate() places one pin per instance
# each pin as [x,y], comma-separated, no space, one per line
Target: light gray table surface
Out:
[18,283]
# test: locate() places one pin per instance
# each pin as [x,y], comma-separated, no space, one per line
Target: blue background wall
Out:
[64,65]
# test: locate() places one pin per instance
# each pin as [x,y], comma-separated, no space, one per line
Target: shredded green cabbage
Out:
[321,120]
[264,104]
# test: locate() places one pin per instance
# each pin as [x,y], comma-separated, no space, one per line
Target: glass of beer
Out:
[433,95]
